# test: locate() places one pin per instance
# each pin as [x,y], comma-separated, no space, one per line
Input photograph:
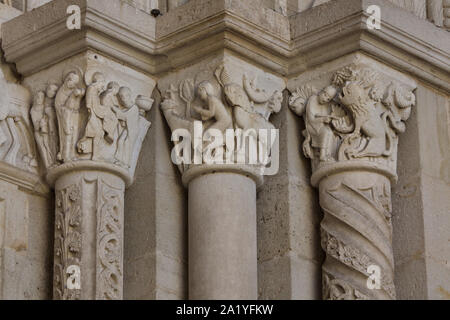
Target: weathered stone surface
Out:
[75,112]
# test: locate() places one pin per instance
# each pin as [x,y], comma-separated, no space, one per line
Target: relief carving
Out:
[67,240]
[88,118]
[358,116]
[17,146]
[109,242]
[336,289]
[219,103]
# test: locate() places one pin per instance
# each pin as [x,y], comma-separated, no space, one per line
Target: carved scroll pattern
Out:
[109,242]
[68,240]
[357,233]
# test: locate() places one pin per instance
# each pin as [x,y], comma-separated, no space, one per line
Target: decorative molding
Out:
[23,179]
[284,45]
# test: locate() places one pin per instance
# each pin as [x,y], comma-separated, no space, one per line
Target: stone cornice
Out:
[406,42]
[44,39]
[286,46]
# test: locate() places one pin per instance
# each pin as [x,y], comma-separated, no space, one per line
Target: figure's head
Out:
[352,94]
[276,101]
[113,87]
[51,91]
[327,94]
[205,89]
[98,79]
[125,97]
[39,98]
[72,80]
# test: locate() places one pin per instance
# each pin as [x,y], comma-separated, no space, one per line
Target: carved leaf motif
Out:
[187,91]
[68,240]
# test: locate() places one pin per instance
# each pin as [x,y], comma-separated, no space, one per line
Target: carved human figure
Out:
[50,113]
[41,128]
[102,122]
[67,105]
[129,133]
[215,108]
[109,97]
[251,107]
[317,121]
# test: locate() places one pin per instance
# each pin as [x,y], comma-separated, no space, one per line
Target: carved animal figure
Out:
[367,121]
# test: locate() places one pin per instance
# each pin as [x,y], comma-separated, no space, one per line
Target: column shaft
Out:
[89,236]
[356,234]
[222,237]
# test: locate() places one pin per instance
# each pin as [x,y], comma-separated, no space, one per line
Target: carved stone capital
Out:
[86,118]
[354,121]
[351,136]
[222,101]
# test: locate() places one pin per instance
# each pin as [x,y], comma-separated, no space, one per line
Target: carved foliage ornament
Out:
[68,240]
[89,118]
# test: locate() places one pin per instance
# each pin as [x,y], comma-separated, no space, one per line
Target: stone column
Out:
[351,137]
[222,237]
[89,130]
[218,94]
[90,91]
[89,235]
[89,124]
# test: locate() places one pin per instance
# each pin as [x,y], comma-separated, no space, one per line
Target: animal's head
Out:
[353,95]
